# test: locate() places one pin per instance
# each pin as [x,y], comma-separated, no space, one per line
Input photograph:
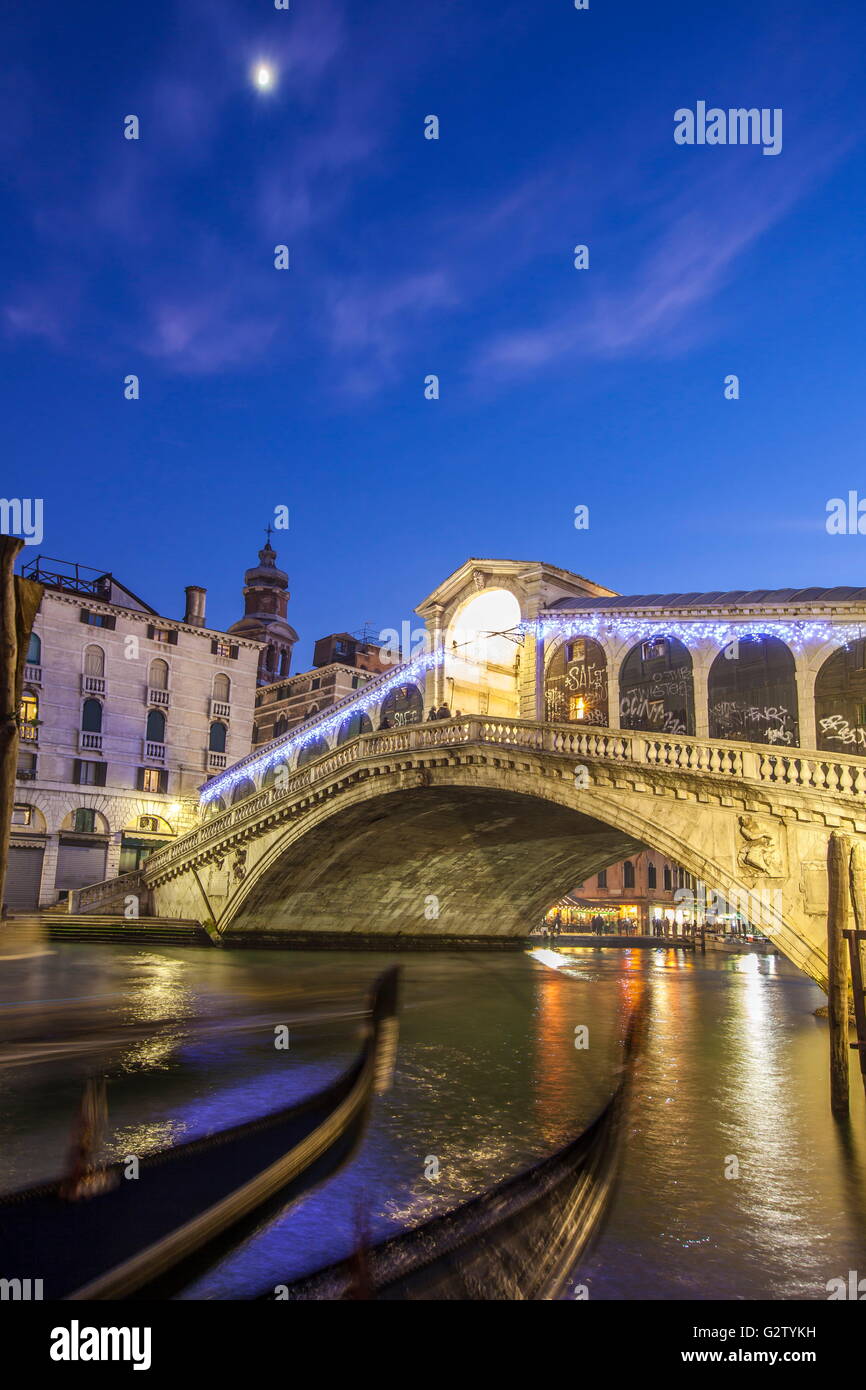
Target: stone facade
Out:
[118,712]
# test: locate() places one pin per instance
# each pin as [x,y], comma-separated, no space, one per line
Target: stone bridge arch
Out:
[403,835]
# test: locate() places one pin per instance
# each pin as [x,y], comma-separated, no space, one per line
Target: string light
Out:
[280,751]
[795,633]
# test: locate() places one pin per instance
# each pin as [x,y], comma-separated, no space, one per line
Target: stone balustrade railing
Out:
[749,762]
[85,899]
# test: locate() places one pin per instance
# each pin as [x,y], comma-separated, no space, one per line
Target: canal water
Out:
[488,1078]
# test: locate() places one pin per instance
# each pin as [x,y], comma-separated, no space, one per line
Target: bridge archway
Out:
[481,647]
[656,687]
[840,700]
[355,724]
[576,683]
[445,856]
[752,692]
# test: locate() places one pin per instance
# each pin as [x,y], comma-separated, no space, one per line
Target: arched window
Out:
[222,688]
[628,874]
[270,659]
[28,708]
[217,737]
[94,661]
[34,650]
[602,879]
[155,726]
[575,686]
[656,691]
[91,717]
[314,709]
[651,875]
[243,789]
[752,691]
[159,674]
[281,726]
[667,879]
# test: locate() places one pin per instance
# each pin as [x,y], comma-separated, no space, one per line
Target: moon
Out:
[264,76]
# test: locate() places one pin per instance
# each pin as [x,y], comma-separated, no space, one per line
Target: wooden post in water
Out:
[838,921]
[19,600]
[857,954]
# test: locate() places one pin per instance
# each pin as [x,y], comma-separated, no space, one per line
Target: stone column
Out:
[806,702]
[702,660]
[112,857]
[47,891]
[434,680]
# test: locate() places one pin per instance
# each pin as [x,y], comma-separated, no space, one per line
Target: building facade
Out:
[342,664]
[638,894]
[124,713]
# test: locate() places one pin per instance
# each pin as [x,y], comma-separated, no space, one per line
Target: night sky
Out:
[305,388]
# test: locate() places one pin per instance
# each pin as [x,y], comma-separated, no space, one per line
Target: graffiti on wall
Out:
[836,729]
[752,723]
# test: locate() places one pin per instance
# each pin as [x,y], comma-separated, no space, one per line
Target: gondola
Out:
[150,1236]
[518,1241]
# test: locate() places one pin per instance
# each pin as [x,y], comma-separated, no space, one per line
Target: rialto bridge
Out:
[727,731]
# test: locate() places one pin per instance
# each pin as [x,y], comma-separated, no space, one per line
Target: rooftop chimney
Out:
[195,597]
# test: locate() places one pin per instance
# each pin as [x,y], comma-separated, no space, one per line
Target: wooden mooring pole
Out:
[857,955]
[838,921]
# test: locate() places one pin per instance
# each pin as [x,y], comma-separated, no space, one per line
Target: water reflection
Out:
[488,1077]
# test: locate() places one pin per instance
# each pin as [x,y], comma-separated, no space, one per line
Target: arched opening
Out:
[222,688]
[482,647]
[278,770]
[575,685]
[752,692]
[243,789]
[217,737]
[34,650]
[281,726]
[840,700]
[155,732]
[656,690]
[316,748]
[355,725]
[403,705]
[91,717]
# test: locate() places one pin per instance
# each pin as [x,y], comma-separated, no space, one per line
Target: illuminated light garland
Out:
[795,633]
[290,743]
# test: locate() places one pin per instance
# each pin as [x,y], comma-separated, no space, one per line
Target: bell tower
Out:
[266,601]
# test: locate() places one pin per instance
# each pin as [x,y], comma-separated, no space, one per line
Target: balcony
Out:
[219,709]
[216,761]
[28,733]
[93,685]
[89,743]
[154,752]
[32,674]
[162,698]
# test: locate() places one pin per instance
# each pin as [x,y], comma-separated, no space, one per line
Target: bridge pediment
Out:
[534,584]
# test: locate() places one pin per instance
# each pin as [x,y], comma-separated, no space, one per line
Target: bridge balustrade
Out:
[755,763]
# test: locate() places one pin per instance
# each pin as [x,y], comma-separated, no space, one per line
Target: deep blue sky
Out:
[559,387]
